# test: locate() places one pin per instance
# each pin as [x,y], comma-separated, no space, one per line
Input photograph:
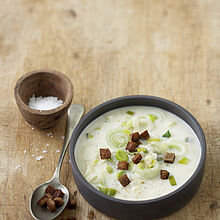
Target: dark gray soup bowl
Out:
[145,209]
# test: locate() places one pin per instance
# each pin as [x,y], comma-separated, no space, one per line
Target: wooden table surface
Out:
[108,49]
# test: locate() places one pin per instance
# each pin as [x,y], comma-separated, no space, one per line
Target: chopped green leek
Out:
[127,131]
[173,146]
[89,135]
[130,113]
[130,166]
[141,149]
[120,173]
[141,165]
[121,155]
[98,128]
[109,169]
[107,191]
[128,125]
[152,117]
[96,161]
[117,138]
[151,164]
[187,139]
[184,160]
[167,134]
[172,180]
[153,140]
[111,160]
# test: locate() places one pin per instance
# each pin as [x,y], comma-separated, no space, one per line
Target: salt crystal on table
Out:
[33,155]
[25,151]
[44,151]
[36,149]
[47,145]
[44,103]
[57,151]
[18,166]
[39,158]
[62,137]
[32,128]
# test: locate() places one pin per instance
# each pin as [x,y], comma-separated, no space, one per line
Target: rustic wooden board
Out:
[108,48]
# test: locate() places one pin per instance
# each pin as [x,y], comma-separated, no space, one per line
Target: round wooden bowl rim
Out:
[43,112]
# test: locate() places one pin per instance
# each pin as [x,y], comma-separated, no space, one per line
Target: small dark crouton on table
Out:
[123,165]
[137,158]
[131,146]
[145,135]
[124,180]
[72,203]
[135,136]
[169,157]
[164,174]
[105,153]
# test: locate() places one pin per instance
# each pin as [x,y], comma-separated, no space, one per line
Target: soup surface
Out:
[163,162]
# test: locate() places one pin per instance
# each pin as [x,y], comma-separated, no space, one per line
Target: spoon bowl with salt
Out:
[43,97]
[75,112]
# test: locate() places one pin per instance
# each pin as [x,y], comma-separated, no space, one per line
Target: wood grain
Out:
[108,48]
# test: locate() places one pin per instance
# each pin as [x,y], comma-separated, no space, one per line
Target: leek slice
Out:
[107,191]
[147,173]
[109,169]
[152,117]
[184,161]
[167,134]
[153,140]
[96,161]
[117,138]
[121,155]
[130,113]
[172,180]
[141,149]
[130,166]
[120,173]
[88,135]
[127,125]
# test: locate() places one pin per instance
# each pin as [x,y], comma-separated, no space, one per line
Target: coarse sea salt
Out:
[44,103]
[39,157]
[18,166]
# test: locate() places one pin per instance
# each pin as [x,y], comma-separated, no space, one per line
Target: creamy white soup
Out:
[137,153]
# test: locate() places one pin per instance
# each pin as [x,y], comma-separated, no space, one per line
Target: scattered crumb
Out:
[48,134]
[36,149]
[75,193]
[44,151]
[57,151]
[18,166]
[33,155]
[51,136]
[47,145]
[62,137]
[39,157]
[91,215]
[25,151]
[32,128]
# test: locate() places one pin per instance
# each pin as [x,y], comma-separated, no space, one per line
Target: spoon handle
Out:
[75,112]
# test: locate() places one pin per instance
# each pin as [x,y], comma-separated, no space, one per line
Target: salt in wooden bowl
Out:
[43,83]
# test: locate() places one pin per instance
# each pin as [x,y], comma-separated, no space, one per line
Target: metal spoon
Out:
[75,112]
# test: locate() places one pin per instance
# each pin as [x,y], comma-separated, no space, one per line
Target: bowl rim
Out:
[122,98]
[24,106]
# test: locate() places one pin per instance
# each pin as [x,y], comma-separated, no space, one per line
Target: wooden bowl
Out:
[43,83]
